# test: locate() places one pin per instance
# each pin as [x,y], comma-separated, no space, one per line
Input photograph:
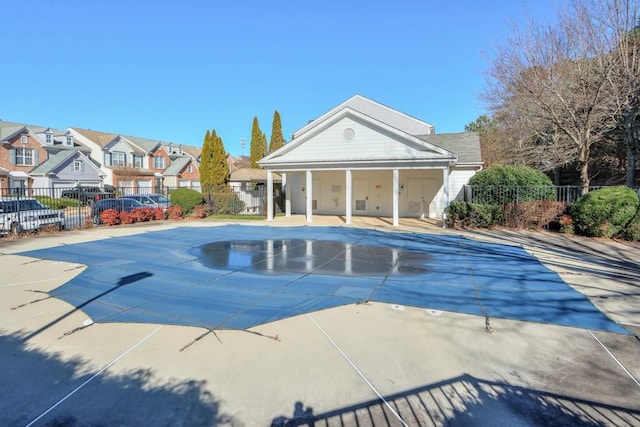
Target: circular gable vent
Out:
[348,134]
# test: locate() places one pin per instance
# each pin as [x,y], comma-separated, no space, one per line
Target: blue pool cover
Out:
[236,277]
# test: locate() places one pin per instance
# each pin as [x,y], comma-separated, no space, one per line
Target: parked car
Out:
[89,195]
[22,214]
[151,200]
[120,204]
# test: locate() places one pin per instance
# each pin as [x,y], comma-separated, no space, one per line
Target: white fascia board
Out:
[345,112]
[344,104]
[361,165]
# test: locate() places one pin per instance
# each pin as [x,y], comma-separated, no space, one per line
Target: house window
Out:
[48,138]
[24,157]
[190,169]
[24,139]
[158,162]
[69,139]
[78,166]
[118,158]
[137,161]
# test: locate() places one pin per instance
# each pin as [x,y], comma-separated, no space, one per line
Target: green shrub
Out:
[503,184]
[632,230]
[186,198]
[57,202]
[473,215]
[604,212]
[225,203]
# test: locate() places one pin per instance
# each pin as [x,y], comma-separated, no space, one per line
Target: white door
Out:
[422,198]
[360,195]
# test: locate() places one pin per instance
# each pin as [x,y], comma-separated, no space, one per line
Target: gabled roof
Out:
[465,144]
[100,138]
[194,152]
[56,161]
[377,111]
[9,129]
[145,144]
[177,165]
[375,142]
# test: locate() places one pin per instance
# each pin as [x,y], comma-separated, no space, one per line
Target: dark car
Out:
[89,195]
[119,204]
[151,200]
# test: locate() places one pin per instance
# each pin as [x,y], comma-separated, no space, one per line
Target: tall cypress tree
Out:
[206,164]
[220,169]
[277,140]
[257,147]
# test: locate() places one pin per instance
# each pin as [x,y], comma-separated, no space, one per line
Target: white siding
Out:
[458,178]
[367,144]
[397,119]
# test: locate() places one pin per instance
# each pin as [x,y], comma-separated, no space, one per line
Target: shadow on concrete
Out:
[466,400]
[33,381]
[608,259]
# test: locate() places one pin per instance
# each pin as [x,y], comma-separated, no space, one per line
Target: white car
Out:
[25,213]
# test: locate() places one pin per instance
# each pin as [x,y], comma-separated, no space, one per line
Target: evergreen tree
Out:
[257,147]
[206,164]
[277,140]
[220,168]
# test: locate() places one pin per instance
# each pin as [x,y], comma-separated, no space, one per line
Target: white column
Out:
[309,189]
[349,202]
[269,195]
[396,193]
[445,187]
[287,195]
[445,195]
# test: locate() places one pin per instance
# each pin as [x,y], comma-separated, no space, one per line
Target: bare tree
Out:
[553,81]
[621,17]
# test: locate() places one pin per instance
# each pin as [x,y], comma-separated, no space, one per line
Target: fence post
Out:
[518,206]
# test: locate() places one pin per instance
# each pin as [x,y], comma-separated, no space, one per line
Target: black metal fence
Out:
[528,207]
[75,203]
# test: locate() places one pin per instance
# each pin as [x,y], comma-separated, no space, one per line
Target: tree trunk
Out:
[584,169]
[632,154]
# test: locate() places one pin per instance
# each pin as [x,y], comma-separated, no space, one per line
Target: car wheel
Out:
[96,219]
[90,202]
[16,228]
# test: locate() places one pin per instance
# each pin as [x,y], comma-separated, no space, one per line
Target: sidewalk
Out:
[366,364]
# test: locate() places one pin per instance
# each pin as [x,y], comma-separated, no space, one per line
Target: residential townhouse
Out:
[38,157]
[135,164]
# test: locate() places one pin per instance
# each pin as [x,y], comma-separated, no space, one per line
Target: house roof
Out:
[147,145]
[375,110]
[349,137]
[177,165]
[56,161]
[100,138]
[252,175]
[194,152]
[465,144]
[8,129]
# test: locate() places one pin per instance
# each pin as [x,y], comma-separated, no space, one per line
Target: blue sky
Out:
[170,70]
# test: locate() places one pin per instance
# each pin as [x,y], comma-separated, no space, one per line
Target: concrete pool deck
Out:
[365,364]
